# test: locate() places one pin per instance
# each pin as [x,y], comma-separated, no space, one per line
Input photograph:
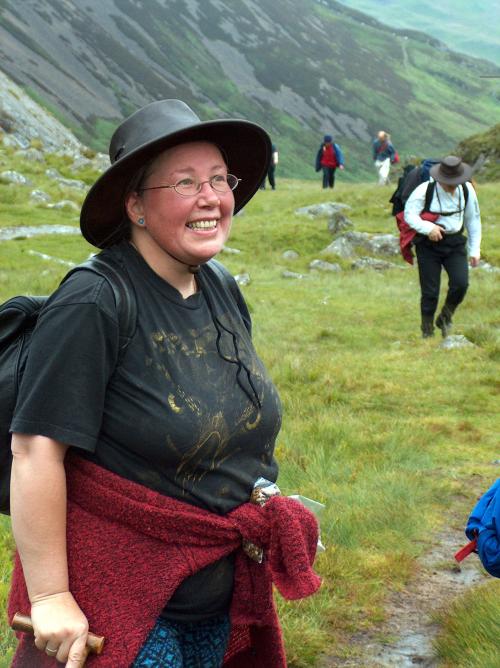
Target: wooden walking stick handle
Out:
[95,644]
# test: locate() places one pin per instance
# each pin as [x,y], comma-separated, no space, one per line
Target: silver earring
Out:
[140,221]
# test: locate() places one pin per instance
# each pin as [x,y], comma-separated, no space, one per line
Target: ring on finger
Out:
[50,651]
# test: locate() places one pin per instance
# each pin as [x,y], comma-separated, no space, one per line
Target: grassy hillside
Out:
[299,67]
[396,436]
[458,23]
[484,146]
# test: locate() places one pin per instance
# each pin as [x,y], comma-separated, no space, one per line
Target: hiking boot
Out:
[443,321]
[427,327]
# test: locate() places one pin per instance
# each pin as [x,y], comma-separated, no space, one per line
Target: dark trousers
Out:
[451,254]
[328,177]
[270,176]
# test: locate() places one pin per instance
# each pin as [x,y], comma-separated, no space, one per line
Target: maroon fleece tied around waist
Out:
[129,548]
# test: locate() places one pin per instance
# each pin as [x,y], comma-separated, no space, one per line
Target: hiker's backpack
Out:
[483,531]
[339,156]
[18,317]
[397,196]
[411,178]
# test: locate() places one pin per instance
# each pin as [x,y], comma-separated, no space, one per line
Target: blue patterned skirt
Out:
[185,645]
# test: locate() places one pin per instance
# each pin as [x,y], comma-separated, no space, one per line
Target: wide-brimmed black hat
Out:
[147,133]
[451,171]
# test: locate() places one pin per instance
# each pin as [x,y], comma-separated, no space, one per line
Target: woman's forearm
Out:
[38,511]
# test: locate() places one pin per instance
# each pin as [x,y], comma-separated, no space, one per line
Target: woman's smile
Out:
[203,225]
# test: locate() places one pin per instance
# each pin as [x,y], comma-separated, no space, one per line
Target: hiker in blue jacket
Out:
[328,159]
[483,531]
[384,155]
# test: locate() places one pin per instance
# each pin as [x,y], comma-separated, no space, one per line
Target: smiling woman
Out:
[190,220]
[142,454]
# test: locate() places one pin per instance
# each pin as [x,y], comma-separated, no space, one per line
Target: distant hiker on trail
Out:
[271,169]
[440,241]
[139,461]
[328,159]
[384,155]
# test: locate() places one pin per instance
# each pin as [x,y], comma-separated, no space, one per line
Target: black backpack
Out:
[18,317]
[411,178]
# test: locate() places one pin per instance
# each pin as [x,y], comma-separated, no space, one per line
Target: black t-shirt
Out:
[170,413]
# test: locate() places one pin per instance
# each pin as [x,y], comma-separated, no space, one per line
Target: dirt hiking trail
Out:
[409,625]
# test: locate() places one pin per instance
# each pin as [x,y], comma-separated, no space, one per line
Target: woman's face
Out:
[192,229]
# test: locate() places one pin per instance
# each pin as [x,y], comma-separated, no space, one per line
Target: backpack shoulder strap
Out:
[226,277]
[124,294]
[429,194]
[228,280]
[465,191]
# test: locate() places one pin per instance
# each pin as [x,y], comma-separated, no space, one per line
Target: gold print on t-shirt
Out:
[172,344]
[173,405]
[251,425]
[211,448]
[214,439]
[179,399]
[251,416]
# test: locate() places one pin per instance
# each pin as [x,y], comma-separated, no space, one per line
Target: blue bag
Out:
[483,529]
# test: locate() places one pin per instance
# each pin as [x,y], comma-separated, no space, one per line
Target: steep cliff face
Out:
[299,67]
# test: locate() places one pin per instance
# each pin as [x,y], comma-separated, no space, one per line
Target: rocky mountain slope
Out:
[299,67]
[23,122]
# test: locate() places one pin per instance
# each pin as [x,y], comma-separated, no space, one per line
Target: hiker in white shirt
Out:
[442,243]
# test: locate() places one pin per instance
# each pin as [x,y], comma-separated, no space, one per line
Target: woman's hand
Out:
[436,233]
[474,261]
[60,628]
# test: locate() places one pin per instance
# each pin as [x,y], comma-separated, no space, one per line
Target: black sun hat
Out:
[451,171]
[147,133]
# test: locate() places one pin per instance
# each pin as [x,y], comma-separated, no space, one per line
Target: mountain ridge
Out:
[330,71]
[453,22]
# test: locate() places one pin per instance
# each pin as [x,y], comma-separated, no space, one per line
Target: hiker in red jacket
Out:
[134,461]
[329,158]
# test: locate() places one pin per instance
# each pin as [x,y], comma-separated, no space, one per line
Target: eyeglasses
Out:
[221,183]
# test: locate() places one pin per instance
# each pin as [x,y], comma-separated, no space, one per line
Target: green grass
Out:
[6,550]
[390,432]
[469,636]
